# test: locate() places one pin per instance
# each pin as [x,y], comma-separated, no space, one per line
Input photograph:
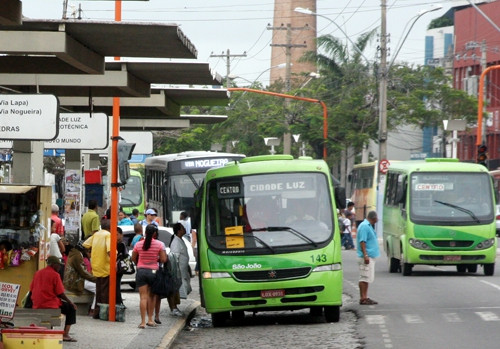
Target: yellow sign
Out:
[234,237]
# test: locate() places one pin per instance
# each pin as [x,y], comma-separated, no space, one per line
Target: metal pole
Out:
[382,136]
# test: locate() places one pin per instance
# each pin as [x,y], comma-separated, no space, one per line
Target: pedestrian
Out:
[138,234]
[57,220]
[185,220]
[123,219]
[368,250]
[47,292]
[146,255]
[90,220]
[56,246]
[134,217]
[100,245]
[347,233]
[179,249]
[76,274]
[150,218]
[122,253]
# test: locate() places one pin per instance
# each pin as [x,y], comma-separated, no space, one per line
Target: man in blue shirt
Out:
[368,250]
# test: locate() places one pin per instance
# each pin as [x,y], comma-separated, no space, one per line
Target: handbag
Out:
[163,285]
[125,266]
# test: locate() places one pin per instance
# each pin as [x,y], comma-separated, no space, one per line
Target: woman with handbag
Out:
[146,255]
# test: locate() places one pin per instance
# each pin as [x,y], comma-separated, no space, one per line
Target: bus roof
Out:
[161,161]
[270,164]
[436,165]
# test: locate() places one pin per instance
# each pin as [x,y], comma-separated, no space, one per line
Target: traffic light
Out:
[481,154]
[124,154]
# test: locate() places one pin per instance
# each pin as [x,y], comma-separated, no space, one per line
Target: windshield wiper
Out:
[255,238]
[295,232]
[469,212]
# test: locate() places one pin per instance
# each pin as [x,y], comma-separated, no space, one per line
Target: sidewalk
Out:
[97,334]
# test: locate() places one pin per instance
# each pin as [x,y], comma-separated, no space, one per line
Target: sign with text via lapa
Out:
[8,299]
[29,117]
[81,131]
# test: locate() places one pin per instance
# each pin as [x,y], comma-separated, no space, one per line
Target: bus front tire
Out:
[489,269]
[472,268]
[406,269]
[332,313]
[394,265]
[219,319]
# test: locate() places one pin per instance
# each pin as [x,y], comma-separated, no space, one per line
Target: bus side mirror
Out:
[340,197]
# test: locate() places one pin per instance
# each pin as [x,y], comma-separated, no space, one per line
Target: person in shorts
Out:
[368,250]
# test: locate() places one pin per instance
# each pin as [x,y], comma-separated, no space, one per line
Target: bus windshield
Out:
[132,194]
[268,213]
[180,191]
[451,198]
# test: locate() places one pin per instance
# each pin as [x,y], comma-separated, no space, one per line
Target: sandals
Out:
[151,324]
[367,301]
[69,339]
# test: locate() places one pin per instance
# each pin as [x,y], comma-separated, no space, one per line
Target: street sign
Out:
[383,166]
[29,117]
[81,131]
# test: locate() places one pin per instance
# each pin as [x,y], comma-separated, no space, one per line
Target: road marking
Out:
[488,316]
[380,321]
[412,319]
[375,319]
[452,317]
[490,284]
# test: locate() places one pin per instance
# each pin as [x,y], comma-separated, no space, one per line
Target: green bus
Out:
[132,195]
[268,238]
[439,212]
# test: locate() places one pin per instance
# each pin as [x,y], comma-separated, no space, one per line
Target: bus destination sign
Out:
[204,163]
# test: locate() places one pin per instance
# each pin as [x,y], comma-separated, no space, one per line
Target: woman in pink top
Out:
[146,255]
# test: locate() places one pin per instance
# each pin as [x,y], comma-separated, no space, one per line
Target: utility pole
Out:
[228,57]
[382,130]
[287,137]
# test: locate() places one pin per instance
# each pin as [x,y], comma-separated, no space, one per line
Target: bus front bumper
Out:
[318,289]
[416,256]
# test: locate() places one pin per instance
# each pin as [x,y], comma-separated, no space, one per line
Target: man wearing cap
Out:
[58,222]
[150,218]
[47,292]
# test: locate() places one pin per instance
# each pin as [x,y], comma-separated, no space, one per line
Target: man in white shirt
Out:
[185,220]
[346,234]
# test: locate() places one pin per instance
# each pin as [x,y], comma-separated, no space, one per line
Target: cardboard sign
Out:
[8,299]
[234,237]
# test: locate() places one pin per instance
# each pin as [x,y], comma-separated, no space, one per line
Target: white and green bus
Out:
[439,212]
[268,238]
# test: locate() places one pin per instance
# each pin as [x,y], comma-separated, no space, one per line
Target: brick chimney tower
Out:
[294,33]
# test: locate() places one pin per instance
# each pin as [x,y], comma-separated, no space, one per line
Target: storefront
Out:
[24,232]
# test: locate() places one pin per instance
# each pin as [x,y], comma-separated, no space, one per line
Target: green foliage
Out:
[440,22]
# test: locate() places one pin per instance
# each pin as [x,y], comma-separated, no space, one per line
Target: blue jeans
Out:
[347,241]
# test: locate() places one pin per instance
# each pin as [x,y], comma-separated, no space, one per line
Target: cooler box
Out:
[32,337]
[93,177]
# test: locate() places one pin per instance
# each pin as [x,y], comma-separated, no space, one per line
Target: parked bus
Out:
[439,212]
[132,195]
[268,238]
[172,179]
[363,189]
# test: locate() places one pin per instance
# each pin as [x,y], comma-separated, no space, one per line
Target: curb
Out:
[174,331]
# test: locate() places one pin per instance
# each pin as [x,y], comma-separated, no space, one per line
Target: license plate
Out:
[452,258]
[272,293]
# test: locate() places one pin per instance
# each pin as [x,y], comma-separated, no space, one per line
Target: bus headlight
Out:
[419,244]
[209,275]
[328,267]
[485,244]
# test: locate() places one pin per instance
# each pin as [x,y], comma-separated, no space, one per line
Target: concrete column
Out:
[27,165]
[73,159]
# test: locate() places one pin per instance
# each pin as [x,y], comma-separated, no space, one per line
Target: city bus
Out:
[439,212]
[363,189]
[268,238]
[132,195]
[172,179]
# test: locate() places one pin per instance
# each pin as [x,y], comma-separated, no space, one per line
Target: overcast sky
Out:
[240,25]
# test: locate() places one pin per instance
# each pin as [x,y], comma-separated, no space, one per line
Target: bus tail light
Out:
[328,267]
[210,275]
[485,244]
